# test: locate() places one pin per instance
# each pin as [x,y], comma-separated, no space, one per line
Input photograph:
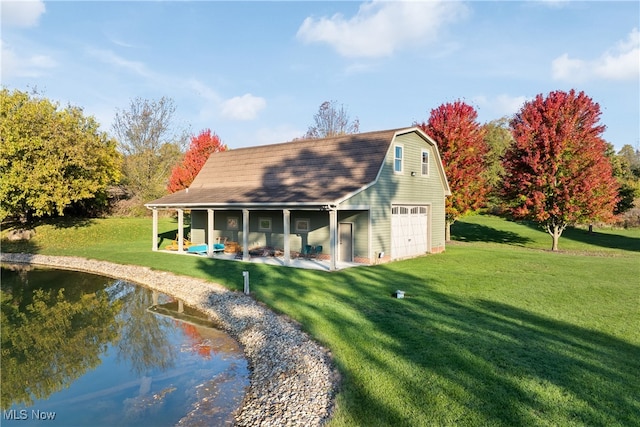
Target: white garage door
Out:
[408,231]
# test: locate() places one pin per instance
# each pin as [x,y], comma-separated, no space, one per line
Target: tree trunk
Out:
[554,246]
[447,232]
[555,231]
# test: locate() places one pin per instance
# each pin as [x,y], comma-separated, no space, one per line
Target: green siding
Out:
[318,233]
[360,221]
[392,188]
[199,227]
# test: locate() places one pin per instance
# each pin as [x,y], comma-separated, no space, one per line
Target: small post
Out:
[245,274]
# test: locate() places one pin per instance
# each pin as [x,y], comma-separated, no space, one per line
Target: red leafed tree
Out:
[196,156]
[557,172]
[460,139]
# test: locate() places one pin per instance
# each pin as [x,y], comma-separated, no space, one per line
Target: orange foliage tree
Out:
[460,139]
[557,172]
[194,159]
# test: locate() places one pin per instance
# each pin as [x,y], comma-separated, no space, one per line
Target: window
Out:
[425,163]
[397,159]
[302,226]
[232,223]
[264,224]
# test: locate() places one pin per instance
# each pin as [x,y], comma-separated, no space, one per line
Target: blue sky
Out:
[256,72]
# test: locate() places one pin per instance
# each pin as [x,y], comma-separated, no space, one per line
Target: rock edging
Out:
[293,381]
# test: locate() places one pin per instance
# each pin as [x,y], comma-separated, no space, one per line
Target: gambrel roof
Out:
[301,172]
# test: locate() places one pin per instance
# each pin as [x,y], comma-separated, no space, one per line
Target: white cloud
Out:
[245,107]
[108,57]
[14,65]
[24,13]
[500,105]
[506,105]
[380,27]
[621,62]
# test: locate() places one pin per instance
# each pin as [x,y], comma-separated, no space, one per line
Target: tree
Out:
[631,158]
[460,139]
[626,170]
[50,158]
[498,138]
[51,341]
[557,172]
[149,146]
[332,121]
[199,151]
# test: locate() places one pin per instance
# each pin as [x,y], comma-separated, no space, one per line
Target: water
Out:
[85,350]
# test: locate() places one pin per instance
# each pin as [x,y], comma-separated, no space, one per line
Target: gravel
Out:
[292,382]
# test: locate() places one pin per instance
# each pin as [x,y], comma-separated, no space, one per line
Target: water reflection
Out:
[95,351]
[142,337]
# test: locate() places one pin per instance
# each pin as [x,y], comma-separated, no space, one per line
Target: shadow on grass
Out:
[467,232]
[168,237]
[19,246]
[609,240]
[434,359]
[604,240]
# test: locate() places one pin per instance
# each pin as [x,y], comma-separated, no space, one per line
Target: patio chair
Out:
[174,244]
[307,251]
[219,245]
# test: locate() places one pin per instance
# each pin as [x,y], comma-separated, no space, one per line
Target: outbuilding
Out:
[366,198]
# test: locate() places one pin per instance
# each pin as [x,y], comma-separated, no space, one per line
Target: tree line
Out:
[548,163]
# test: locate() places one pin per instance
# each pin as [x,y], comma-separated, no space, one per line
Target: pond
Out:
[84,350]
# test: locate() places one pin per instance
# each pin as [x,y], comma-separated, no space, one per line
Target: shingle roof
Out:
[302,171]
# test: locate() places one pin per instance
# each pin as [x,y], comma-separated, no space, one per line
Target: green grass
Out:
[495,331]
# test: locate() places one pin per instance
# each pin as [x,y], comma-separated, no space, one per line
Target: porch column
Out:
[210,240]
[154,240]
[333,249]
[286,217]
[180,230]
[245,234]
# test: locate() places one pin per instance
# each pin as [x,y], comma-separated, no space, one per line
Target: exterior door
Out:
[345,241]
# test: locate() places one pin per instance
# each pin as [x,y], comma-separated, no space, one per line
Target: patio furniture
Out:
[174,244]
[197,249]
[310,251]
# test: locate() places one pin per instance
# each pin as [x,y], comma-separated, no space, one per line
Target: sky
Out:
[256,72]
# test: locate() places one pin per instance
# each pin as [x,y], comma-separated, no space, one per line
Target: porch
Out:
[318,237]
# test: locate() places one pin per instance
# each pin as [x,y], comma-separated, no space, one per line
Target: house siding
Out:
[393,188]
[318,233]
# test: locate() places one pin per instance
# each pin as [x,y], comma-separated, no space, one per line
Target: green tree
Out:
[51,341]
[498,139]
[50,158]
[149,144]
[630,158]
[626,169]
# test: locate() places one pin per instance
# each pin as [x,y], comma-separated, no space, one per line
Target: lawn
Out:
[495,331]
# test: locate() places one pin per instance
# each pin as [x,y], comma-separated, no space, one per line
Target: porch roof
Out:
[317,171]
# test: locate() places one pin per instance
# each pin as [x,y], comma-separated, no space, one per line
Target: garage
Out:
[409,231]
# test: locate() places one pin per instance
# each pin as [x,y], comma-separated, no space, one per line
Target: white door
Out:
[345,241]
[408,231]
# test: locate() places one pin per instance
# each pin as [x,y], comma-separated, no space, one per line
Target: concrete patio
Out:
[295,262]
